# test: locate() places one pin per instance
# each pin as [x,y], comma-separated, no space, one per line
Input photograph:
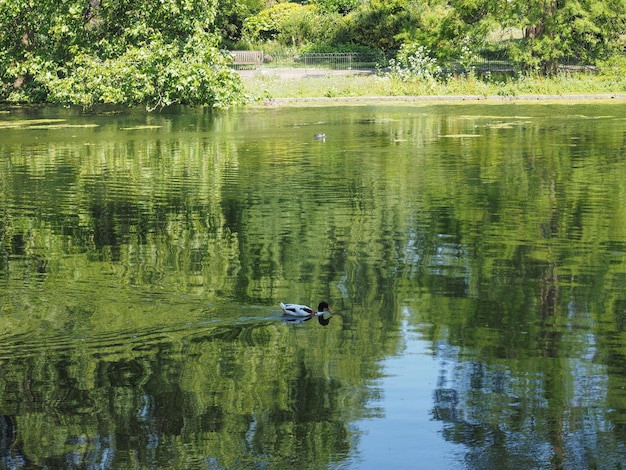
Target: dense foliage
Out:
[286,20]
[535,36]
[114,51]
[128,51]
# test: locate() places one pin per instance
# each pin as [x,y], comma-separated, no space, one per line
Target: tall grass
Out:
[271,84]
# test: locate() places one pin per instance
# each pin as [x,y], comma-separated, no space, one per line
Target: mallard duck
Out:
[296,310]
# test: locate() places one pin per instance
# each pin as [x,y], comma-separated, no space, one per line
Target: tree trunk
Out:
[544,28]
[26,42]
[91,11]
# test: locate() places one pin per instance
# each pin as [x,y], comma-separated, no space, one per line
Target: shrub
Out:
[380,24]
[269,23]
[413,62]
[157,75]
[614,67]
[336,6]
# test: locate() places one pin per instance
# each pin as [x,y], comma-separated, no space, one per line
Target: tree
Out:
[231,15]
[279,20]
[552,30]
[114,51]
[556,30]
[337,6]
[382,24]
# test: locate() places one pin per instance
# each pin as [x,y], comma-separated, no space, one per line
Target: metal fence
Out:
[486,61]
[364,61]
[319,60]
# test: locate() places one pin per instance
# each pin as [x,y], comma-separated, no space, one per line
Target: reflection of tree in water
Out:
[462,427]
[221,402]
[310,429]
[11,452]
[545,407]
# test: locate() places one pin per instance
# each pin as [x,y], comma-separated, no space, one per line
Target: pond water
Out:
[474,256]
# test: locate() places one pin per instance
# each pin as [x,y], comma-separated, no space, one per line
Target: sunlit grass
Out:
[268,84]
[272,85]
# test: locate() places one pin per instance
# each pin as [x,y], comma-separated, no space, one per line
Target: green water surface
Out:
[474,256]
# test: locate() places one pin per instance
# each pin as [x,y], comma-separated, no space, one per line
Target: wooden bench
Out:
[247,58]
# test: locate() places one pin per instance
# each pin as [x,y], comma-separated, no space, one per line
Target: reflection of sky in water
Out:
[428,393]
[405,435]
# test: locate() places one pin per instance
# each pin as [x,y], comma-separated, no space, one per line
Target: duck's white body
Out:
[296,310]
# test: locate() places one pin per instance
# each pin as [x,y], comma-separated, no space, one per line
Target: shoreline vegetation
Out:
[268,87]
[429,100]
[86,54]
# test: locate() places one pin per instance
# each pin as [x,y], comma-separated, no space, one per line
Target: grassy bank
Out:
[268,84]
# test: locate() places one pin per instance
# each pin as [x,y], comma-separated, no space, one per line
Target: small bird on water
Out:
[299,313]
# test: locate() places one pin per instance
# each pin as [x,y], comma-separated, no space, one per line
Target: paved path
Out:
[300,72]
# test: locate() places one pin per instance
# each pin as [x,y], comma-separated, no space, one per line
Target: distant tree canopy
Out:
[158,53]
[230,17]
[283,19]
[555,30]
[541,32]
[337,6]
